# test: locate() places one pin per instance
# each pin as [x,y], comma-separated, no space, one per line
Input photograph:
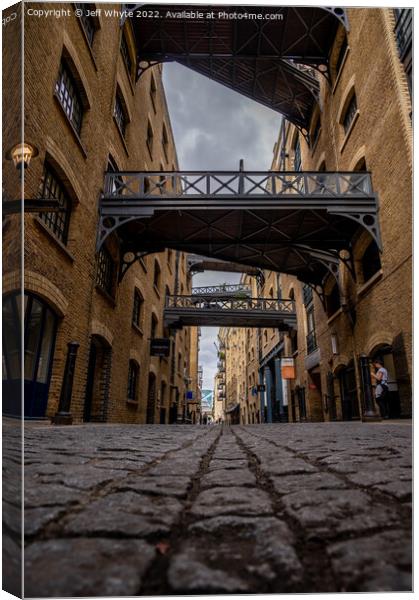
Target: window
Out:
[67,94]
[341,55]
[403,31]
[133,377]
[311,336]
[165,142]
[105,270]
[157,272]
[154,324]
[350,113]
[307,294]
[371,262]
[153,92]
[315,133]
[137,308]
[120,114]
[87,21]
[57,222]
[297,155]
[126,54]
[150,138]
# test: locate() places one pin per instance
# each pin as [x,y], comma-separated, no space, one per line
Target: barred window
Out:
[153,92]
[58,222]
[165,142]
[119,114]
[157,272]
[105,270]
[137,307]
[69,98]
[87,21]
[126,54]
[150,138]
[133,377]
[350,113]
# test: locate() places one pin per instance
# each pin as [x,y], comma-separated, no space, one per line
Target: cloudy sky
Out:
[214,128]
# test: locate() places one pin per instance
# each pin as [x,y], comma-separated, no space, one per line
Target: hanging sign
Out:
[160,347]
[288,368]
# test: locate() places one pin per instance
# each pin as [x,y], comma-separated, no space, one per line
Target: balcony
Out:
[319,214]
[230,290]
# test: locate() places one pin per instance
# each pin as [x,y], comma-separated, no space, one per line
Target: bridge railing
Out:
[229,304]
[151,185]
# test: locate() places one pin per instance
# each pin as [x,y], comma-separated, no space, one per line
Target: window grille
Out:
[133,376]
[57,222]
[350,113]
[87,21]
[119,115]
[69,98]
[105,270]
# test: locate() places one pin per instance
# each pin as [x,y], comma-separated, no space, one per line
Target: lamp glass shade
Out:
[21,155]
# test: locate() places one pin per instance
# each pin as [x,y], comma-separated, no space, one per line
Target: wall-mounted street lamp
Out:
[21,154]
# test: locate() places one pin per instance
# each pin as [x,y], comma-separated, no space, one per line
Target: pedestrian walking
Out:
[381,387]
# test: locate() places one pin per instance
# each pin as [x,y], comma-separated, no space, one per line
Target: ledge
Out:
[137,329]
[370,283]
[71,126]
[58,243]
[156,289]
[142,263]
[133,403]
[348,133]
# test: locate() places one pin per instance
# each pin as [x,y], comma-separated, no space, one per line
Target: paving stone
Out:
[164,485]
[232,500]
[188,575]
[126,513]
[331,512]
[228,464]
[228,477]
[50,495]
[38,518]
[266,545]
[402,490]
[86,567]
[175,467]
[287,466]
[381,562]
[288,484]
[85,477]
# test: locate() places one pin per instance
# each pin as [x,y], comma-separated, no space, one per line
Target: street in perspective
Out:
[216,300]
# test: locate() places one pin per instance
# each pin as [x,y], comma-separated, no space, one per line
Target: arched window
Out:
[154,325]
[137,308]
[120,112]
[133,378]
[157,273]
[52,187]
[370,262]
[349,112]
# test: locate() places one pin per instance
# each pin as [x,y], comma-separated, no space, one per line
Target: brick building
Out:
[86,114]
[364,310]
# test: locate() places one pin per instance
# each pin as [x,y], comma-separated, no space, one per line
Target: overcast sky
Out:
[214,128]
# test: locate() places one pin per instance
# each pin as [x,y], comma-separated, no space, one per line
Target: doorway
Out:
[98,381]
[348,392]
[40,329]
[151,399]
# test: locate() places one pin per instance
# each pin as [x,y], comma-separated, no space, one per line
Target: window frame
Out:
[51,219]
[107,282]
[66,87]
[133,381]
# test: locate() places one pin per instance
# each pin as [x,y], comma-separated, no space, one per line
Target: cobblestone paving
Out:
[142,510]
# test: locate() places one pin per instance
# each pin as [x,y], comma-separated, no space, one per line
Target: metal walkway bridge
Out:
[269,54]
[292,222]
[219,311]
[237,290]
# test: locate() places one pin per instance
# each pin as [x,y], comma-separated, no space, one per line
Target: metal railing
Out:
[154,185]
[311,342]
[231,289]
[230,303]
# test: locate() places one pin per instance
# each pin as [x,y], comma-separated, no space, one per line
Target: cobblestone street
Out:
[142,510]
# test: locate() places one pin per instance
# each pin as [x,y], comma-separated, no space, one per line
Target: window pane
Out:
[33,327]
[67,93]
[58,222]
[46,347]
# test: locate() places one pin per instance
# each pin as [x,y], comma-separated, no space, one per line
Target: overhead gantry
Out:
[299,223]
[267,53]
[218,310]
